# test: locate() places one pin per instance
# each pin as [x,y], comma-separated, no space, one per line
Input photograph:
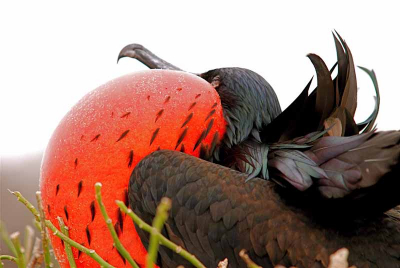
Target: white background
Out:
[52,53]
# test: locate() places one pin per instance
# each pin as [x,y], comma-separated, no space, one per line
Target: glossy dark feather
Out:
[284,125]
[248,100]
[347,181]
[215,213]
[343,64]
[369,123]
[349,98]
[325,98]
[332,99]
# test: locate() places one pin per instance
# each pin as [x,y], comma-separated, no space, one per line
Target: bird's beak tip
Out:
[119,57]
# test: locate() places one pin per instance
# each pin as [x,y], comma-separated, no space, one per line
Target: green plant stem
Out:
[9,258]
[37,225]
[45,237]
[24,201]
[6,238]
[68,250]
[158,223]
[247,260]
[90,252]
[28,242]
[117,243]
[162,239]
[17,245]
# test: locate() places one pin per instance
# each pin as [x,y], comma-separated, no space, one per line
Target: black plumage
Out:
[347,175]
[249,102]
[215,214]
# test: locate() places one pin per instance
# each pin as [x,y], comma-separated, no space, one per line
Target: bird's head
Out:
[248,101]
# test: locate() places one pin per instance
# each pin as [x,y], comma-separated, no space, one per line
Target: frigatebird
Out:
[291,188]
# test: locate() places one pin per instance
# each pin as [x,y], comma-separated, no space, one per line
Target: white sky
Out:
[51,54]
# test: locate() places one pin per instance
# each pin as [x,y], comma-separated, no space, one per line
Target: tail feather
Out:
[285,126]
[325,93]
[342,69]
[369,123]
[334,100]
[349,98]
[315,143]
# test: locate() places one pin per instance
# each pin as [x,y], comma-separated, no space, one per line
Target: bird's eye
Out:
[215,81]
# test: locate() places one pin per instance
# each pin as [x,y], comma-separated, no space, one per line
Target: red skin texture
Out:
[92,144]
